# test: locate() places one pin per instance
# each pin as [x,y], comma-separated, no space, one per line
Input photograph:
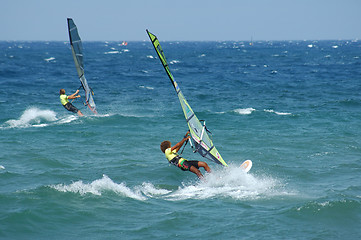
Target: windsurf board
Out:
[246,165]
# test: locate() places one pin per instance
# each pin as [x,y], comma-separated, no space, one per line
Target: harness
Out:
[175,160]
[178,162]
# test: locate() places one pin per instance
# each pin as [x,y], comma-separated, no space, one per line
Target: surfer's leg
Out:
[204,165]
[80,113]
[193,169]
[70,107]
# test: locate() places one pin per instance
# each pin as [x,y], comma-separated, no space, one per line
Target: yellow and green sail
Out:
[200,138]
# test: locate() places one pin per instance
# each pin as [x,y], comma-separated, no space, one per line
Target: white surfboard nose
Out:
[246,165]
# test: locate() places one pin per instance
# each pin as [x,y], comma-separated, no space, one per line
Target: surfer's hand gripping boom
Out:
[187,136]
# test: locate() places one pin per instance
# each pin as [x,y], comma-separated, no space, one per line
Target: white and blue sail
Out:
[77,50]
[198,131]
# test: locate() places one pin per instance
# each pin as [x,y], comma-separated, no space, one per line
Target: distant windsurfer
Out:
[171,153]
[64,99]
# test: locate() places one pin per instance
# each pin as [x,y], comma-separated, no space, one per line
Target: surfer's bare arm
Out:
[74,95]
[180,144]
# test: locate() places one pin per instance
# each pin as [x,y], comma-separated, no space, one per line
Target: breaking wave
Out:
[231,182]
[32,117]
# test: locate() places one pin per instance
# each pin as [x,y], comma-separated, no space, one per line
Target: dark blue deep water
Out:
[293,108]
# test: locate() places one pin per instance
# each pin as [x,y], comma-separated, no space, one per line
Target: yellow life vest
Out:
[169,154]
[64,99]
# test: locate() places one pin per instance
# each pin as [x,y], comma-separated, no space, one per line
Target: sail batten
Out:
[200,138]
[77,51]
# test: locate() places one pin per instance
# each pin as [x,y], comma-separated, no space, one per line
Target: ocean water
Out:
[292,107]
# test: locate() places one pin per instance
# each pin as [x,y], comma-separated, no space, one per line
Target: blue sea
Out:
[292,107]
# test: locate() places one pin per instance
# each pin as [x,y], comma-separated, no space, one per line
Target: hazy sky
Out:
[181,19]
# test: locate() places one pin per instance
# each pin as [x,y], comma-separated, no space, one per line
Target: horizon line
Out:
[146,40]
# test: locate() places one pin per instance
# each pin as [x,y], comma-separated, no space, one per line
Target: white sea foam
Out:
[49,59]
[150,56]
[67,119]
[149,190]
[244,111]
[112,52]
[105,184]
[278,113]
[32,117]
[230,182]
[149,88]
[103,115]
[174,62]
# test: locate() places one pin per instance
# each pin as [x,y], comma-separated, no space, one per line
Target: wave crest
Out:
[244,111]
[105,184]
[278,113]
[32,117]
